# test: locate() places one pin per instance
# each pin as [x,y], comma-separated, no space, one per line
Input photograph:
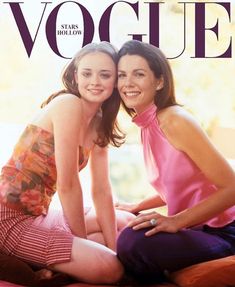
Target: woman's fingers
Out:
[144,220]
[152,231]
[130,207]
[155,222]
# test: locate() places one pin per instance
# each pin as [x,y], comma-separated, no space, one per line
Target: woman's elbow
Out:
[67,184]
[102,192]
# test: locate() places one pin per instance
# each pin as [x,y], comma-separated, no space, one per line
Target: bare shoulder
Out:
[65,99]
[178,125]
[62,105]
[65,104]
[175,118]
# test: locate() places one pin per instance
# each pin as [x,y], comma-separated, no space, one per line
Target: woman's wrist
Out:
[181,220]
[135,208]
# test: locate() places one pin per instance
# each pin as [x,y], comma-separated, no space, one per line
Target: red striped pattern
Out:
[37,244]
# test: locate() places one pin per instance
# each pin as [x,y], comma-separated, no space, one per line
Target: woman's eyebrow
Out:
[103,70]
[135,70]
[106,70]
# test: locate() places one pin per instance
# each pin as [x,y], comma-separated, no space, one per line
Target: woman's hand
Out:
[130,207]
[156,222]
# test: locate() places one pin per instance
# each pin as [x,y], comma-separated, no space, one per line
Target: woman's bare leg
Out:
[91,263]
[123,218]
[93,229]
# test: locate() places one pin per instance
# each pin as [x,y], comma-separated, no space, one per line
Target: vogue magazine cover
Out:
[39,38]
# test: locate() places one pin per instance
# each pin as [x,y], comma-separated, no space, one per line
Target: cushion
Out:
[15,270]
[7,284]
[215,273]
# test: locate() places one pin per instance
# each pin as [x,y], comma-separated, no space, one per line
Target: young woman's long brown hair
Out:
[108,131]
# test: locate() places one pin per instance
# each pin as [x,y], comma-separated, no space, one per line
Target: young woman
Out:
[190,176]
[75,124]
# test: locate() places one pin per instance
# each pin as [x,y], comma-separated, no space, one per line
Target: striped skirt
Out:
[41,240]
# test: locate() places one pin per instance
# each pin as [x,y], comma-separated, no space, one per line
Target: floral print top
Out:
[28,180]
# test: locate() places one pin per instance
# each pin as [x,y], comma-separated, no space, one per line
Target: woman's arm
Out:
[150,202]
[66,120]
[102,195]
[186,135]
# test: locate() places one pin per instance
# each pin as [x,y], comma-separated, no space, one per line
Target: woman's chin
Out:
[129,105]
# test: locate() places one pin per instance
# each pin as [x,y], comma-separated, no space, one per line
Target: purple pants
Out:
[149,258]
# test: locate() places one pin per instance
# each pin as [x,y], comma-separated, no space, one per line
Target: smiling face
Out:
[137,83]
[96,77]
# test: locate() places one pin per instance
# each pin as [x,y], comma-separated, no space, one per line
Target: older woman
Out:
[190,176]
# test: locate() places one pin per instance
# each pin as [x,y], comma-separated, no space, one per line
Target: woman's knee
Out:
[129,243]
[134,246]
[105,266]
[123,218]
[111,269]
[86,256]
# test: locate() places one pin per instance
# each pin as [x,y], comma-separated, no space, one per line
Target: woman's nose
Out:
[95,79]
[128,81]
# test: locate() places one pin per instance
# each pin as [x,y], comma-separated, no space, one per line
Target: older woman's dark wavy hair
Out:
[160,66]
[108,131]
